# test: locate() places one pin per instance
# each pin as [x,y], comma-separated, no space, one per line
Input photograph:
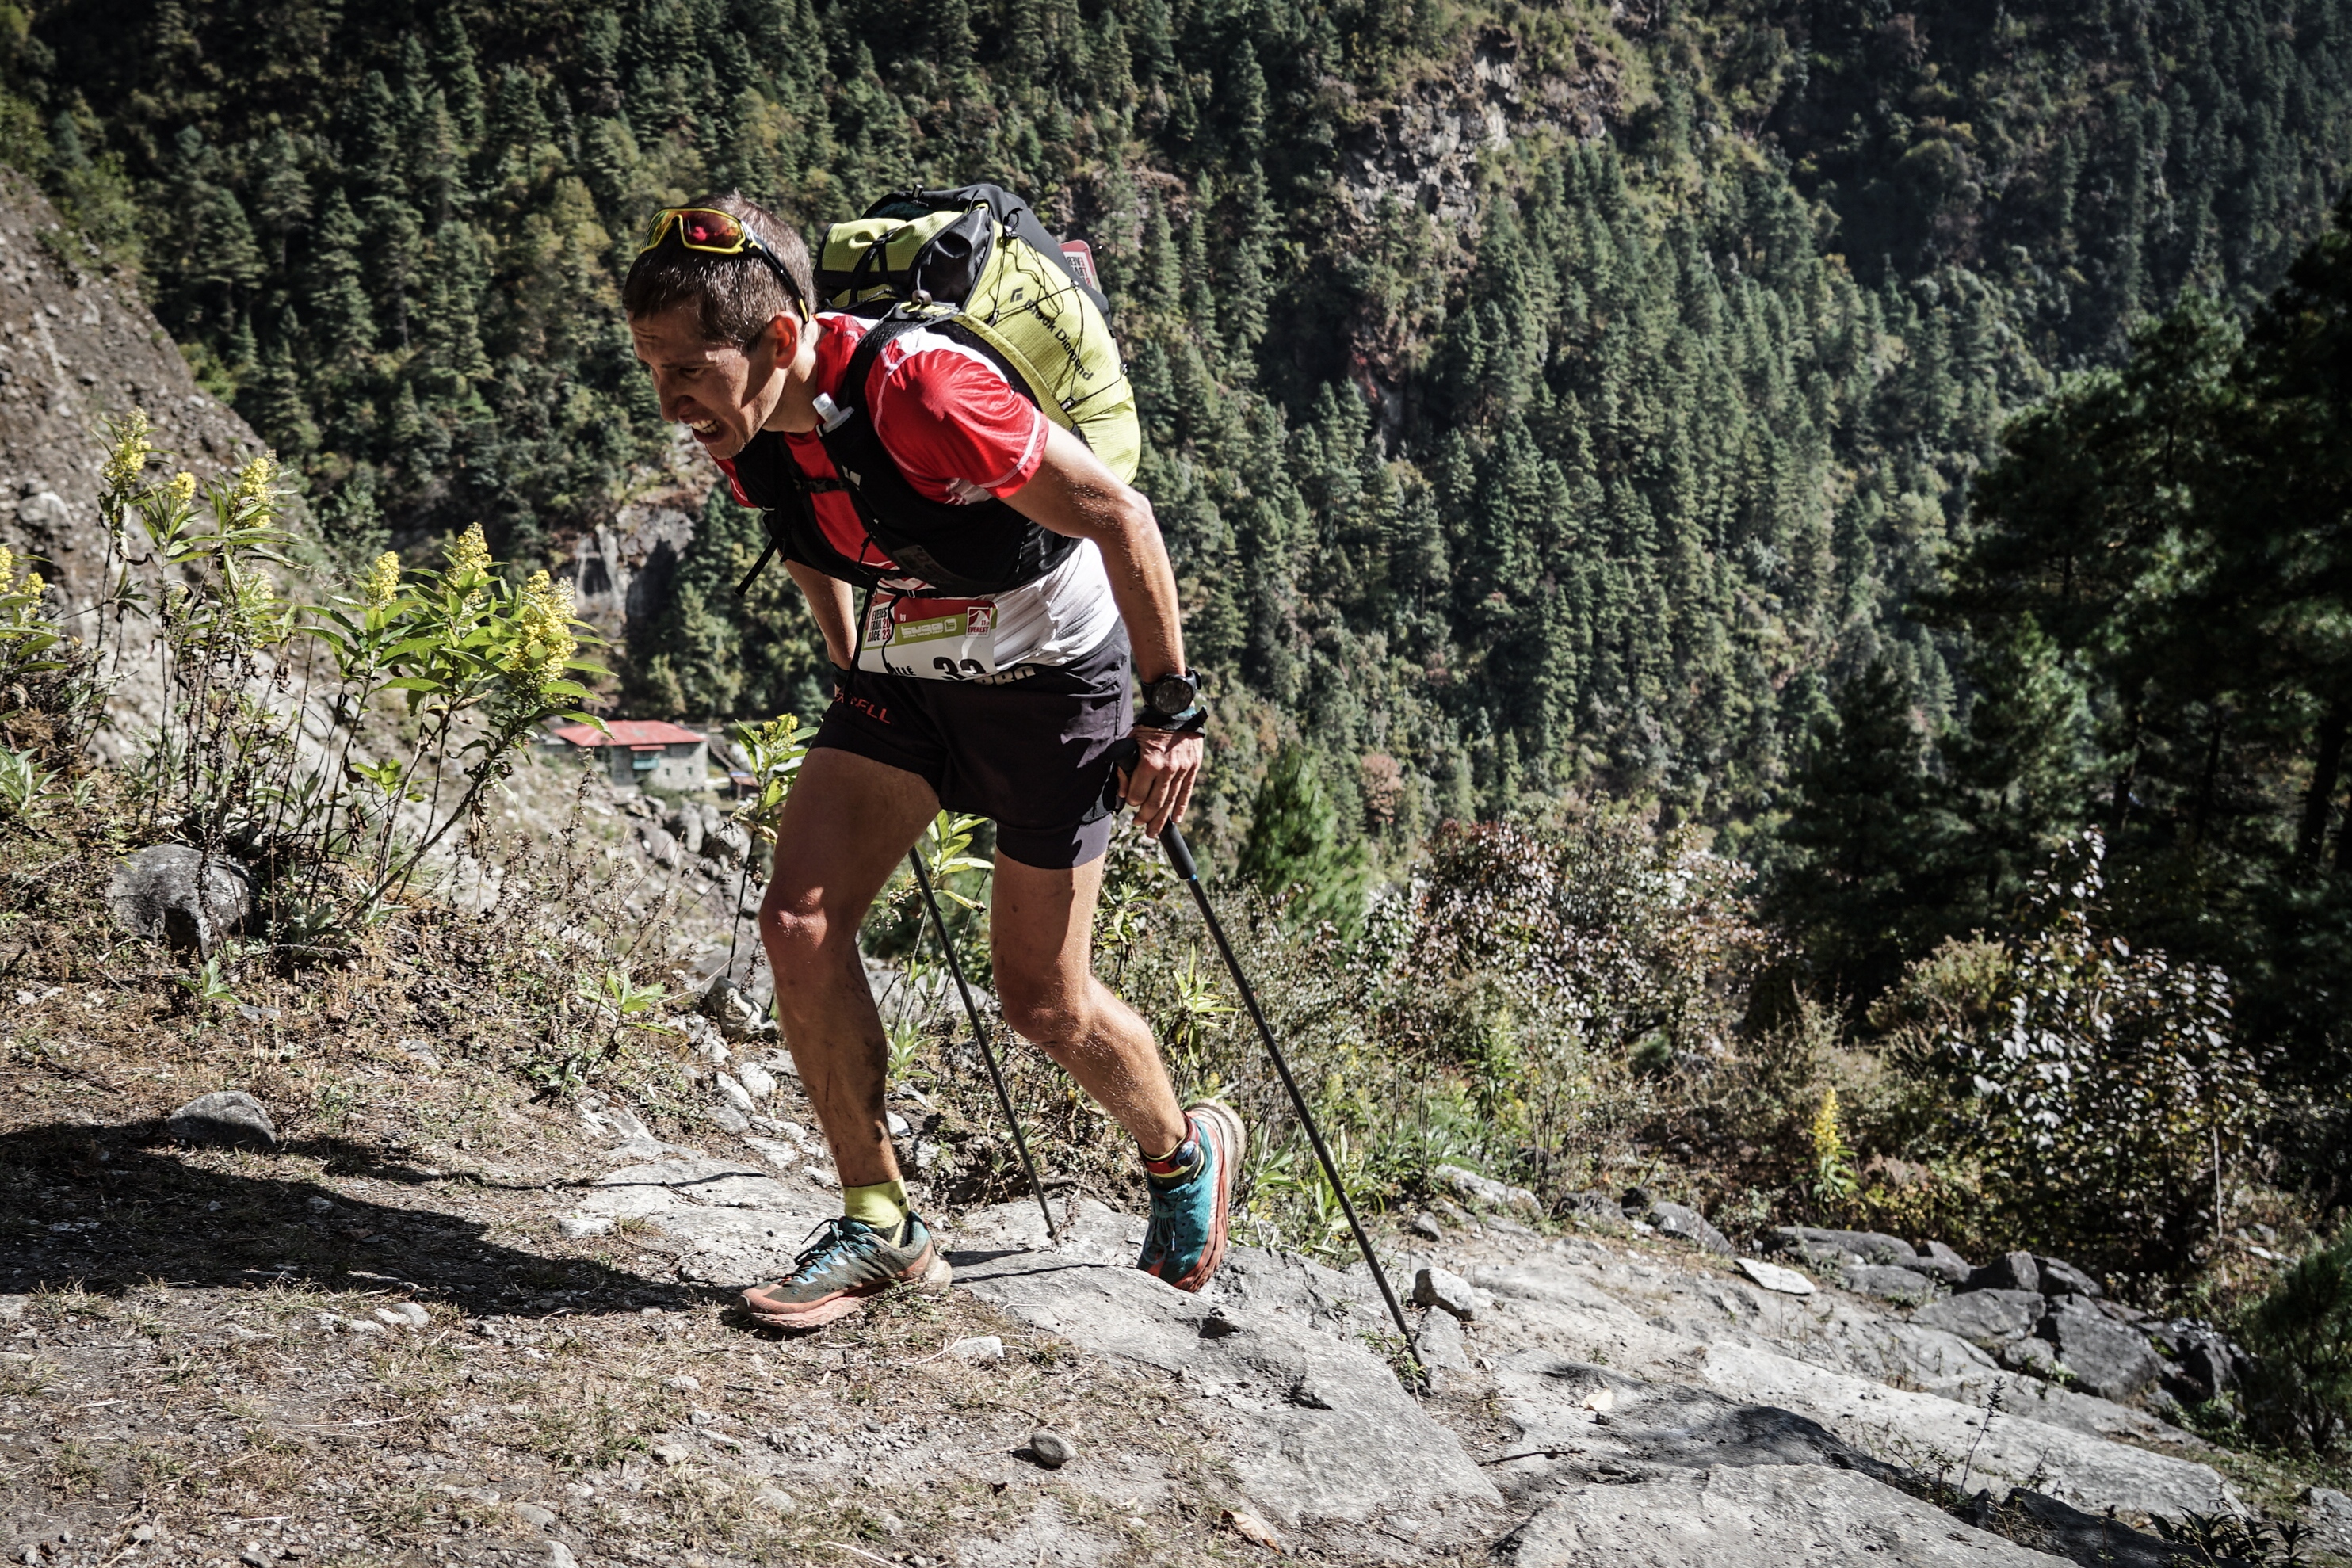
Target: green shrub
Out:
[2300,1392]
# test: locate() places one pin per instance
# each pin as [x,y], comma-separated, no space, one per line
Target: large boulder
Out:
[686,825]
[184,897]
[1938,1261]
[1905,1287]
[228,1118]
[2009,1271]
[2060,1278]
[1989,1319]
[2109,1359]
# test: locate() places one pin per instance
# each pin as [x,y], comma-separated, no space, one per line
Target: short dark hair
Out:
[737,296]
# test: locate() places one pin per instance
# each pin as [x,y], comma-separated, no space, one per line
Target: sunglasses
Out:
[714,233]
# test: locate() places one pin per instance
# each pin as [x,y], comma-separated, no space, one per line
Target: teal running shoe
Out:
[849,1262]
[1192,1192]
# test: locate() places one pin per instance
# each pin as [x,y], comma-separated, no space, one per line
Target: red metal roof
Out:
[629,732]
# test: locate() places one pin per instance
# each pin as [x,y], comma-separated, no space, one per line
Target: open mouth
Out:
[704,429]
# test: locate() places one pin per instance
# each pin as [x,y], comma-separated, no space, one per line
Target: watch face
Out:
[1173,694]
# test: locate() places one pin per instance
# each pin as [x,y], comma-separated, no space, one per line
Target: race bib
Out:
[931,639]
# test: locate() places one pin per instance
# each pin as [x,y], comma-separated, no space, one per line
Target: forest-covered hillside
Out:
[1540,399]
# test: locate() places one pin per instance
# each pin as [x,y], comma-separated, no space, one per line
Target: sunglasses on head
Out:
[714,233]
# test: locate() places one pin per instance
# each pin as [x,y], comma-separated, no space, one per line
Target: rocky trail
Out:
[503,1336]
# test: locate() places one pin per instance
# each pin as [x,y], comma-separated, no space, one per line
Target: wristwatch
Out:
[1174,703]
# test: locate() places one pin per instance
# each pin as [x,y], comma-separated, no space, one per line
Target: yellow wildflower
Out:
[129,459]
[382,581]
[543,640]
[8,566]
[253,480]
[470,561]
[182,491]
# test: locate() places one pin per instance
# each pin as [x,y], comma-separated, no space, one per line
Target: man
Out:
[1019,711]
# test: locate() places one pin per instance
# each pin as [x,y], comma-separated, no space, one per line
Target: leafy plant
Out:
[2300,1390]
[1834,1179]
[206,985]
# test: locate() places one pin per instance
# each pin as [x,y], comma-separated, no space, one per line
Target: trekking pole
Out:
[1180,856]
[988,1052]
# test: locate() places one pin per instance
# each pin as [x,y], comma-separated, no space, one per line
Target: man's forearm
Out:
[1143,584]
[834,607]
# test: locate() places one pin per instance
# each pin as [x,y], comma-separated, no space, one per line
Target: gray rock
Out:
[1772,1277]
[1441,1345]
[531,1513]
[1987,1318]
[2009,1271]
[1372,1449]
[560,1556]
[1473,1188]
[1435,1287]
[1888,1282]
[157,894]
[731,1007]
[1753,1516]
[421,1049]
[728,1118]
[2033,1357]
[2107,1358]
[1426,1226]
[1687,1224]
[1596,1204]
[2060,1278]
[685,825]
[660,847]
[229,1118]
[727,843]
[756,1079]
[1938,1261]
[1050,1448]
[2329,1513]
[731,1090]
[578,1227]
[1870,1246]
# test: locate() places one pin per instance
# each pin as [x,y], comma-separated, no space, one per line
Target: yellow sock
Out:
[882,1206]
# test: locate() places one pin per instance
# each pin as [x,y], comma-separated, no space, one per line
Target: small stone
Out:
[2009,1271]
[730,1119]
[155,893]
[560,1556]
[1425,1225]
[228,1118]
[2060,1278]
[531,1513]
[578,1227]
[316,1205]
[729,1007]
[1435,1287]
[757,1080]
[897,1124]
[980,1349]
[673,1452]
[661,847]
[405,1315]
[1477,1188]
[1050,1448]
[252,1559]
[732,1089]
[142,1533]
[1687,1224]
[1772,1277]
[683,1383]
[1440,1346]
[421,1049]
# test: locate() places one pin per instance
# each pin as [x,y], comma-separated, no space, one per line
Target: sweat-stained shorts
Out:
[1033,755]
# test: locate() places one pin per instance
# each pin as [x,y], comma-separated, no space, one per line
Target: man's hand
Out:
[1160,785]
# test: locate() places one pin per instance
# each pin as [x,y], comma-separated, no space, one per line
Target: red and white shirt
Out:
[960,433]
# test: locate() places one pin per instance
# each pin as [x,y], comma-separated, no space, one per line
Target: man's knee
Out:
[800,929]
[1043,1012]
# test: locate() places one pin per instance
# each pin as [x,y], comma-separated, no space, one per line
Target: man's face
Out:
[722,392]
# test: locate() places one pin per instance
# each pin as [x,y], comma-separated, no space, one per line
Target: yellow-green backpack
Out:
[980,261]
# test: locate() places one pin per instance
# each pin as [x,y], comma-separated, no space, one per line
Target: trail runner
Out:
[1017,714]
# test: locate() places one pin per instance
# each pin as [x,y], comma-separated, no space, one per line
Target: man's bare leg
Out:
[1042,935]
[847,825]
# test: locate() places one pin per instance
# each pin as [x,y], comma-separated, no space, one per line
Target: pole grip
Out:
[1179,854]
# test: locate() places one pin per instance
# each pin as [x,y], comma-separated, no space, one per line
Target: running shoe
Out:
[849,1262]
[1186,1241]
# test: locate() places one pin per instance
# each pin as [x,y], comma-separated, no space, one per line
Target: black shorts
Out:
[1032,754]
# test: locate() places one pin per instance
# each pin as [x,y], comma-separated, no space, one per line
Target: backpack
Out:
[977,261]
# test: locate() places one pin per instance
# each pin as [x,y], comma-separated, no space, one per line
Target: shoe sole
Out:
[1234,1147]
[936,1276]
